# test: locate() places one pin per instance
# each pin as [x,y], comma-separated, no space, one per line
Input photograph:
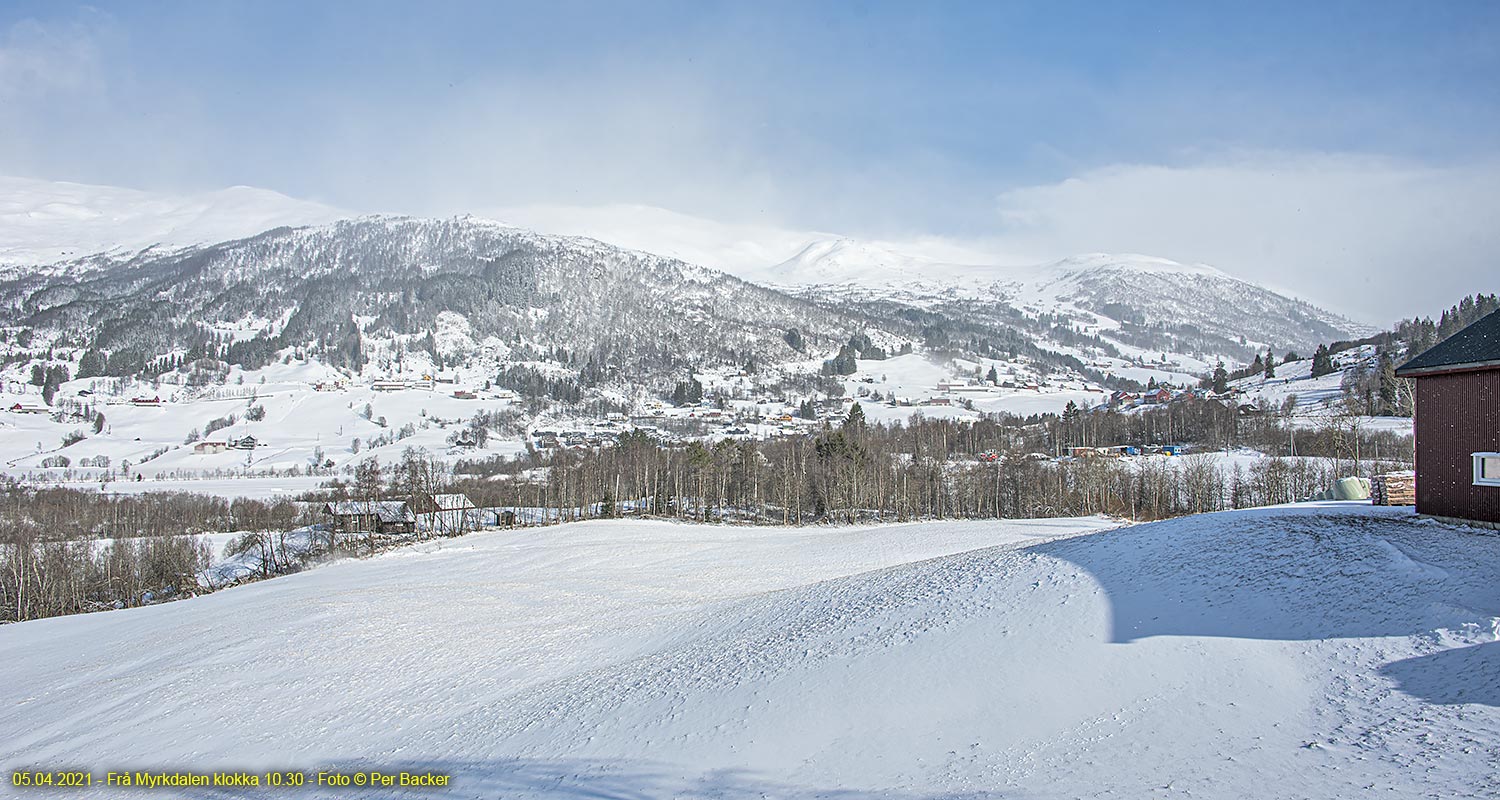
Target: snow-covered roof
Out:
[386,511]
[452,502]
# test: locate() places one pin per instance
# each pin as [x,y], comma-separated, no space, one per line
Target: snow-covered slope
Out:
[1334,651]
[43,222]
[1101,292]
[1158,291]
[1319,402]
[1127,262]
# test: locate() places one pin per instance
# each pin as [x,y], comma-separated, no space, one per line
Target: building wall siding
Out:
[1457,415]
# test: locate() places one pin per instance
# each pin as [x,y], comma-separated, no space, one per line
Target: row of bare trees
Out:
[945,469]
[50,577]
[64,551]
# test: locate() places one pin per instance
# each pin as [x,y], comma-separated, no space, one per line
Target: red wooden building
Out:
[1458,424]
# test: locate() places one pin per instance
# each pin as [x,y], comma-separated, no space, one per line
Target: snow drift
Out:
[1330,651]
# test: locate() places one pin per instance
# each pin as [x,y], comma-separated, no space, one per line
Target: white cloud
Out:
[1374,238]
[38,59]
[746,249]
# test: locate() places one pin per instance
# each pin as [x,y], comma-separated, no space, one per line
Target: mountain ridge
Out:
[1084,307]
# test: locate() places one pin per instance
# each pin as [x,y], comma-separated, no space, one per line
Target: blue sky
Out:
[976,121]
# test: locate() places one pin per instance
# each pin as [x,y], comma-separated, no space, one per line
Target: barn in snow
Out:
[371,516]
[445,514]
[1458,424]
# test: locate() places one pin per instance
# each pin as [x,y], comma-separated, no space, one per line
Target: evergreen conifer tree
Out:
[855,422]
[1322,362]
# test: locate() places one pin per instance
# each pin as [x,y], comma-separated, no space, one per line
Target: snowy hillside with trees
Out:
[1353,381]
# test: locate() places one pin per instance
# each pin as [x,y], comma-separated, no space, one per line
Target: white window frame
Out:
[1479,479]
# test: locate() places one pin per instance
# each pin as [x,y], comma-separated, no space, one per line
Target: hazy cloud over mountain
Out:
[1325,151]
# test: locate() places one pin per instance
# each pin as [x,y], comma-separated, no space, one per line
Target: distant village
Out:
[716,417]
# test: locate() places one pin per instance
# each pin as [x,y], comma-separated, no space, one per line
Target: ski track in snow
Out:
[1331,650]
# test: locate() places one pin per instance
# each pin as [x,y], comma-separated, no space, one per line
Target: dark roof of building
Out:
[1476,346]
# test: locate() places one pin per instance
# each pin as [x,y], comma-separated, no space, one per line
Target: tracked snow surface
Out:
[1318,651]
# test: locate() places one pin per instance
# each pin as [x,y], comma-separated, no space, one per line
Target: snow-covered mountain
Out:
[365,290]
[92,265]
[1135,301]
[334,288]
[46,222]
[1123,290]
[1126,293]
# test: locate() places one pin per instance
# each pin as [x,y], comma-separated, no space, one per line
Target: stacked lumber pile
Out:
[1394,489]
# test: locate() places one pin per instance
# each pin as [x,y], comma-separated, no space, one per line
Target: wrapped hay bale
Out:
[1351,488]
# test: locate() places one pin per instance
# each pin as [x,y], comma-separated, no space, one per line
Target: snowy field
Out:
[297,423]
[248,488]
[1324,650]
[916,378]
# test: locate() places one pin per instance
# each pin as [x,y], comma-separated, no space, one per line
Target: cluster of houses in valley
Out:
[37,408]
[1123,450]
[604,433]
[220,445]
[1078,453]
[783,418]
[573,439]
[1121,400]
[426,383]
[948,394]
[680,424]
